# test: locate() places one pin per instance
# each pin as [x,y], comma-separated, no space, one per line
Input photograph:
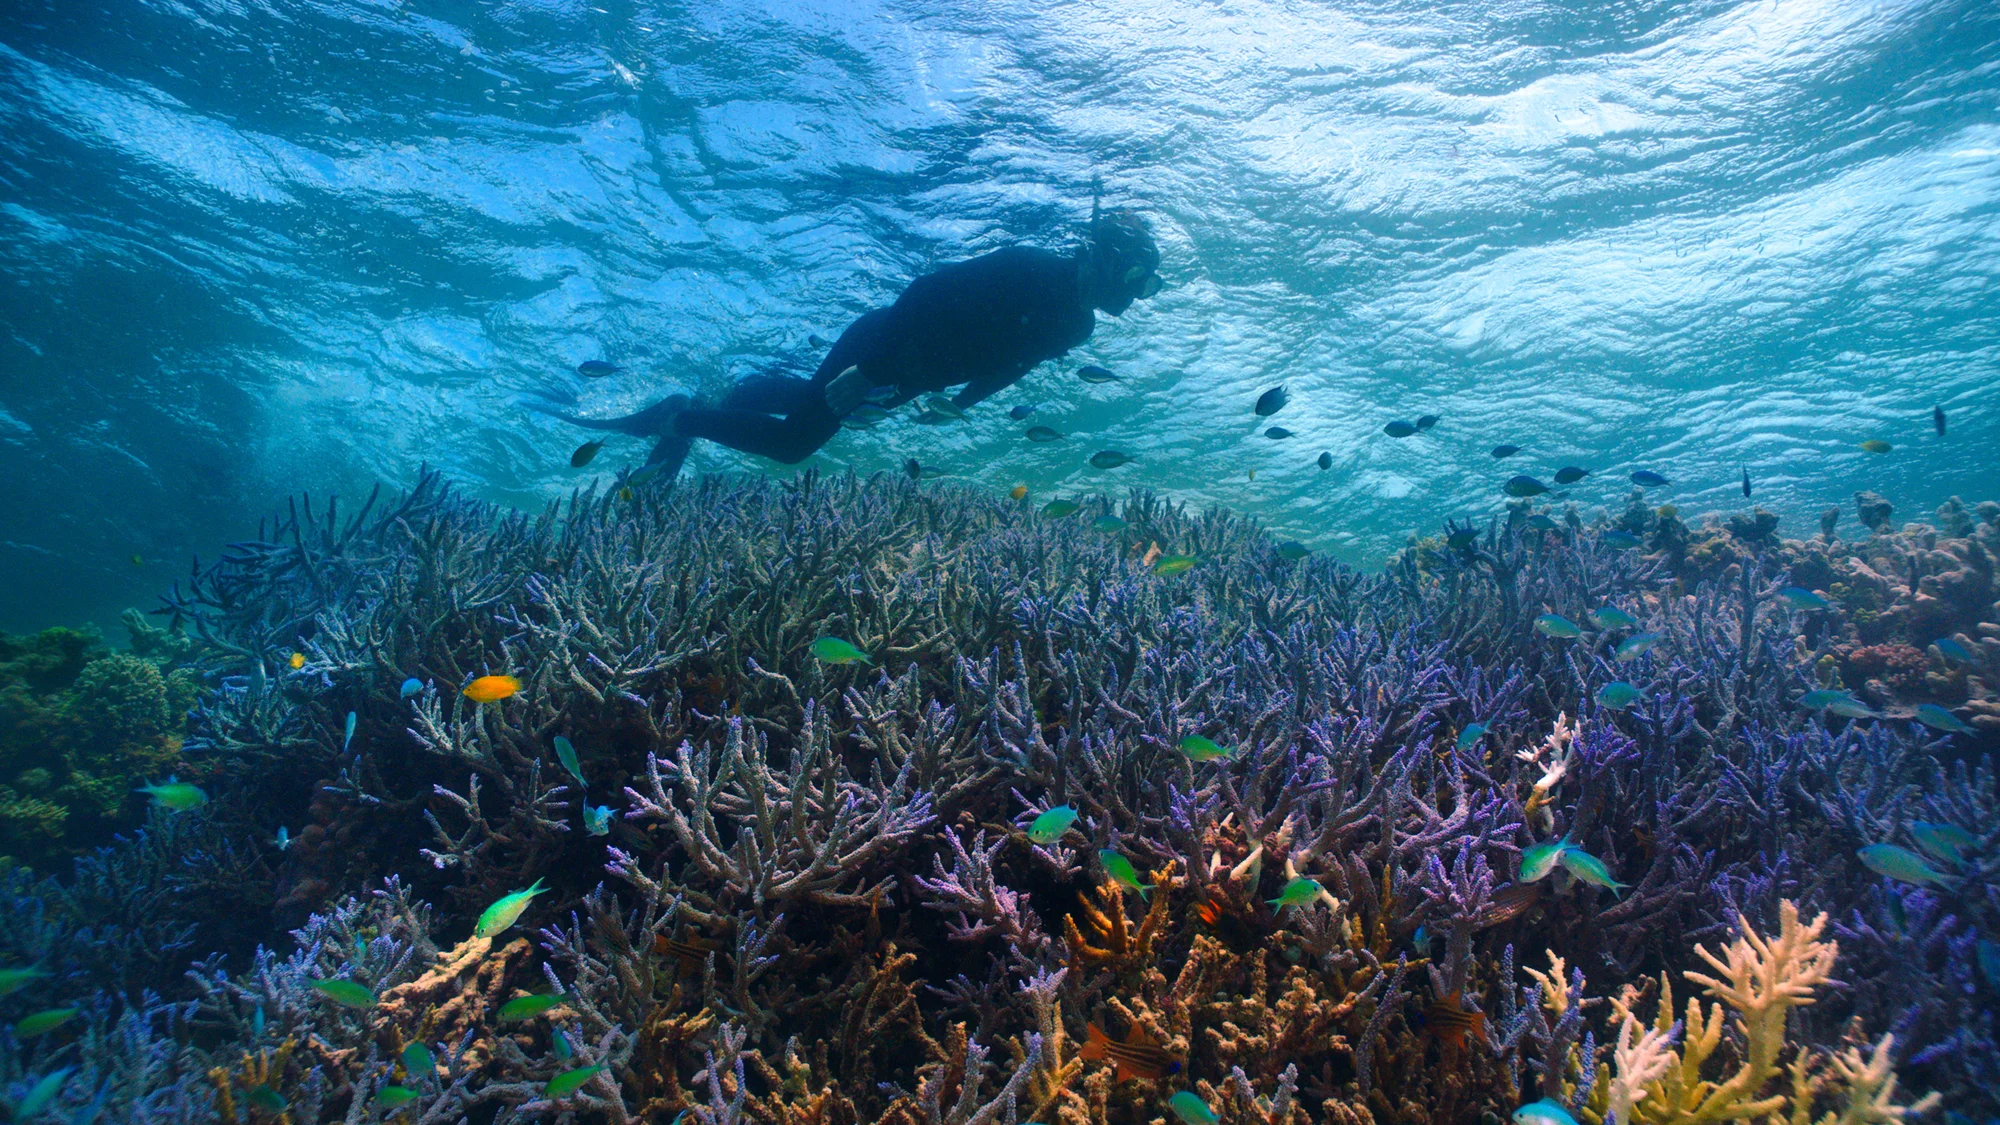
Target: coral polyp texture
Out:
[747,836]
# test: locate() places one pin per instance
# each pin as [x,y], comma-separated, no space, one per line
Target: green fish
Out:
[1524,486]
[1876,445]
[1618,695]
[528,1007]
[1050,826]
[41,1023]
[1043,433]
[566,754]
[506,910]
[1943,841]
[1057,509]
[417,1062]
[867,416]
[560,1042]
[1470,736]
[1544,1112]
[1540,522]
[1611,617]
[1109,459]
[1191,1109]
[1591,869]
[395,1097]
[833,650]
[938,404]
[1558,626]
[14,980]
[1174,564]
[41,1094]
[1298,892]
[1900,864]
[348,739]
[585,454]
[570,1081]
[1291,550]
[1623,540]
[1823,698]
[345,993]
[1200,749]
[266,1099]
[1540,859]
[1637,645]
[1120,869]
[597,820]
[1937,718]
[180,796]
[1110,525]
[1798,597]
[1852,709]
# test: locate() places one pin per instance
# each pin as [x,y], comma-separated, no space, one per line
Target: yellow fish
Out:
[491,689]
[1876,445]
[297,661]
[1019,492]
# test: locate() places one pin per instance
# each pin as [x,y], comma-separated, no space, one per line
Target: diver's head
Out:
[1121,263]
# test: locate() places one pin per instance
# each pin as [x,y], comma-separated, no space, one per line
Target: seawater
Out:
[251,248]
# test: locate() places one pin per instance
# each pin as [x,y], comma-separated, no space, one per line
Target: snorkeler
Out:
[983,323]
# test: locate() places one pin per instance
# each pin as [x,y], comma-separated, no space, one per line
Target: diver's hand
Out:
[847,391]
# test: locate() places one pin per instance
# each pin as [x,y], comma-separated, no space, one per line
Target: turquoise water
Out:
[248,249]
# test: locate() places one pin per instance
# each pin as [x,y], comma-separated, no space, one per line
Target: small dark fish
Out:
[1325,461]
[1570,474]
[1043,433]
[585,454]
[1451,1023]
[1291,550]
[1021,411]
[913,469]
[1427,421]
[1646,478]
[1109,459]
[817,341]
[1523,486]
[1277,433]
[1399,429]
[266,1099]
[1937,419]
[1091,373]
[1137,1057]
[1746,484]
[690,954]
[1500,452]
[1461,540]
[1272,401]
[597,369]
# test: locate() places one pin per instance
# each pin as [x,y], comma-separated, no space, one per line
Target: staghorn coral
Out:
[814,903]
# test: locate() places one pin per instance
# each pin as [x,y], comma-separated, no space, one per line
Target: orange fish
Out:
[297,661]
[491,689]
[1137,1057]
[1209,913]
[1020,492]
[1452,1023]
[691,953]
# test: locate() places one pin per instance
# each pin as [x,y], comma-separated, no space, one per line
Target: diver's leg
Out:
[788,440]
[769,394]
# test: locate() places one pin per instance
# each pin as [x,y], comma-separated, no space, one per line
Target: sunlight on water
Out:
[257,250]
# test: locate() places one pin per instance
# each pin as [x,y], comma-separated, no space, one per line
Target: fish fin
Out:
[1097,1045]
[1138,1037]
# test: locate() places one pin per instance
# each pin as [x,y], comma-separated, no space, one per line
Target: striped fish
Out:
[691,954]
[1509,903]
[1137,1057]
[1451,1023]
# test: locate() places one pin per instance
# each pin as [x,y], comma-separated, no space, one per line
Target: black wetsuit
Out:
[984,323]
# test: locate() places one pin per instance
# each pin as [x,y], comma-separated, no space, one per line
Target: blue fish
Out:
[412,686]
[1646,478]
[1798,597]
[1618,695]
[1937,718]
[1952,650]
[283,838]
[348,739]
[597,819]
[1470,736]
[1637,645]
[1623,540]
[1021,411]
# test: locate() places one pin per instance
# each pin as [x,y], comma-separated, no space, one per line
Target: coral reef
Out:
[81,727]
[822,895]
